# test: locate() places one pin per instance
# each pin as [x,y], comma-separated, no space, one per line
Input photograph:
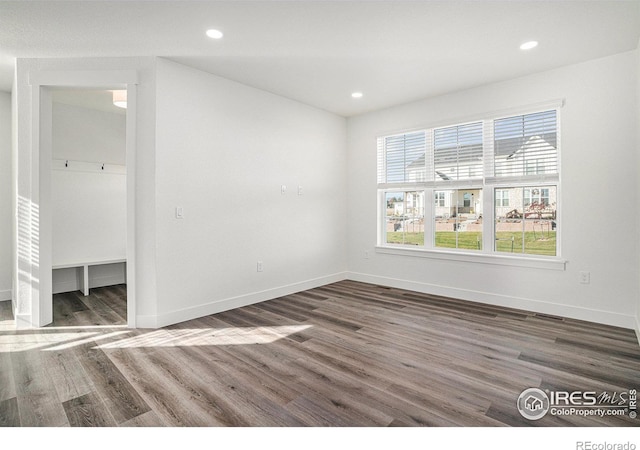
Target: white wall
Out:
[89,205]
[85,134]
[599,195]
[5,197]
[89,218]
[223,151]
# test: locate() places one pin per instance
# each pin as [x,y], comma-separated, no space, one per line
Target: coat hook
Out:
[103,167]
[66,163]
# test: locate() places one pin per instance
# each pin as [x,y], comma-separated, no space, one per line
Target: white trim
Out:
[637,330]
[523,180]
[78,78]
[23,321]
[70,264]
[131,138]
[5,295]
[194,312]
[525,304]
[41,141]
[42,230]
[482,258]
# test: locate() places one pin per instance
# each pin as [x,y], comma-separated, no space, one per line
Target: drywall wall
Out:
[224,151]
[5,197]
[87,134]
[89,205]
[27,269]
[89,216]
[599,157]
[89,219]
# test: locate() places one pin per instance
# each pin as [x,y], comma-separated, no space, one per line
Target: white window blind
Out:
[526,145]
[458,152]
[401,158]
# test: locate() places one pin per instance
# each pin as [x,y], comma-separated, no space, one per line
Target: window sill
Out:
[479,258]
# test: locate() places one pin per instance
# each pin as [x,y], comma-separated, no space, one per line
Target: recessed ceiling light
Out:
[120,98]
[529,45]
[214,34]
[357,95]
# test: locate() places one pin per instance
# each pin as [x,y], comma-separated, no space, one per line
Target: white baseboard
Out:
[194,312]
[5,295]
[573,312]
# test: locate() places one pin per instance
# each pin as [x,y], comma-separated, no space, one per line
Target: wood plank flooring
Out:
[346,354]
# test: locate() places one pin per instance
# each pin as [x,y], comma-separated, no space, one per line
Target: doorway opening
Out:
[88,195]
[88,266]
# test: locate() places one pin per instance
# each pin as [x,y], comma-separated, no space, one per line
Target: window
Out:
[458,152]
[404,218]
[502,198]
[402,158]
[530,226]
[526,145]
[506,165]
[457,225]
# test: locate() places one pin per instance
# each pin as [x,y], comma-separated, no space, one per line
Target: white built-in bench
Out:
[85,273]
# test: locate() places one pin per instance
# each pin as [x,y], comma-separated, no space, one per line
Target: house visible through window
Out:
[506,165]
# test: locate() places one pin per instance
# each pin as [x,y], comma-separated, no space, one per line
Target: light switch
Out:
[179,212]
[283,189]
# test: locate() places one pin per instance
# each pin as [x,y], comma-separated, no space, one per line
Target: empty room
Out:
[321,215]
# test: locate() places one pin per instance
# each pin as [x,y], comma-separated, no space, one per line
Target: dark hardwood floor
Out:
[346,354]
[104,306]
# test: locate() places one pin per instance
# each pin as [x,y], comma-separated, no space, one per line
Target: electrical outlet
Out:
[299,190]
[585,277]
[283,189]
[260,266]
[179,212]
[366,254]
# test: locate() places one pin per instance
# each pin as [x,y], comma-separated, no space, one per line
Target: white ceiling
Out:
[318,52]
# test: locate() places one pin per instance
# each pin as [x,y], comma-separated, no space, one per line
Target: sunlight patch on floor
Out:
[207,336]
[7,325]
[17,342]
[85,341]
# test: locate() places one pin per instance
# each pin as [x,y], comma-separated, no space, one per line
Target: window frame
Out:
[488,185]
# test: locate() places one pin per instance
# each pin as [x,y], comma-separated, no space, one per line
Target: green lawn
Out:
[398,237]
[534,244]
[469,240]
